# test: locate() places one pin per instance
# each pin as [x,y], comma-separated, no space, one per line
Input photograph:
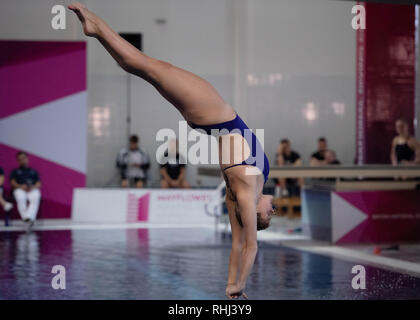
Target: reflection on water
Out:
[175,264]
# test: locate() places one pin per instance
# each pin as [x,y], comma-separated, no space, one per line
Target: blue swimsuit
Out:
[257,158]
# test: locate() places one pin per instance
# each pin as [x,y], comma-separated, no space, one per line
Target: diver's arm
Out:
[237,243]
[248,209]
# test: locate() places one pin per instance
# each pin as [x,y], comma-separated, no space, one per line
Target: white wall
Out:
[197,36]
[236,45]
[308,49]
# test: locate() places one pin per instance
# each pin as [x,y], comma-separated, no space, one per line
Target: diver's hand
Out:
[90,22]
[233,291]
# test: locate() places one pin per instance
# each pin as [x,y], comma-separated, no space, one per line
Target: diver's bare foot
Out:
[90,21]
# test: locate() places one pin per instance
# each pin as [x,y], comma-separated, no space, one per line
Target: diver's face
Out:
[265,207]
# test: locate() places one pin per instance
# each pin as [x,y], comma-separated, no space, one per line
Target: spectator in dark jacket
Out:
[288,157]
[173,168]
[26,186]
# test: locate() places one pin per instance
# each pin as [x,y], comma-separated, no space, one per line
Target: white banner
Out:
[143,205]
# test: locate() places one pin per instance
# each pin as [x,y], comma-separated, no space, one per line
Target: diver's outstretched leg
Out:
[194,97]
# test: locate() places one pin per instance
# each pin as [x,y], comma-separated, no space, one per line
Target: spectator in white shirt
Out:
[133,164]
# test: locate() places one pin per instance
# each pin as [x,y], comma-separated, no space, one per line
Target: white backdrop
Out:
[151,205]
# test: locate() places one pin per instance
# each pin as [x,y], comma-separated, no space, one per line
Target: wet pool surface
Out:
[176,264]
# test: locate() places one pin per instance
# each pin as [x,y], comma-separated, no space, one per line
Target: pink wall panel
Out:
[34,73]
[385,78]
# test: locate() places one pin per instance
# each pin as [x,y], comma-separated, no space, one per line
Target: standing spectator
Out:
[26,185]
[172,168]
[7,206]
[133,164]
[288,157]
[405,148]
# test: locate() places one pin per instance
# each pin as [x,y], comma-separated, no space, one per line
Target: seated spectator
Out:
[26,185]
[133,164]
[7,206]
[288,157]
[318,157]
[331,158]
[172,168]
[405,148]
